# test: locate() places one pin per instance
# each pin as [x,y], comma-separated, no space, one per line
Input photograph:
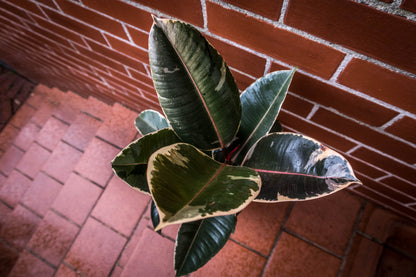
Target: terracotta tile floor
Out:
[64,213]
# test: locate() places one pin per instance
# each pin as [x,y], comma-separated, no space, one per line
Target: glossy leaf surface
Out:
[188,185]
[295,167]
[154,215]
[150,121]
[195,87]
[261,103]
[131,163]
[198,241]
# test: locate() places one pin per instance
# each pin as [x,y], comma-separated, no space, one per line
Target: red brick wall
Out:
[355,88]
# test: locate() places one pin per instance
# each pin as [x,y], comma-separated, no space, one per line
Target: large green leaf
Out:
[131,163]
[295,167]
[150,121]
[188,185]
[197,242]
[154,215]
[261,103]
[195,87]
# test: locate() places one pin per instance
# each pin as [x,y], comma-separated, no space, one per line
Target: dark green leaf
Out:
[195,87]
[199,241]
[295,167]
[154,215]
[131,163]
[261,104]
[150,121]
[188,185]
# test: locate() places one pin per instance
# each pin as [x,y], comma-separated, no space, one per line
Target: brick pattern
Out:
[354,88]
[70,216]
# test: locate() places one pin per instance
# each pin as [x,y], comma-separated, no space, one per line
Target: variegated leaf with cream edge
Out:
[295,167]
[188,185]
[261,103]
[150,121]
[196,90]
[131,163]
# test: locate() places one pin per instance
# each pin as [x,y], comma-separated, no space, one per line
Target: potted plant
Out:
[214,151]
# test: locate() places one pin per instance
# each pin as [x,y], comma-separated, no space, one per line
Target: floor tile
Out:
[258,225]
[43,113]
[158,260]
[98,109]
[294,257]
[14,188]
[119,129]
[51,133]
[394,263]
[120,206]
[134,240]
[19,226]
[363,257]
[26,136]
[29,265]
[64,271]
[7,136]
[53,238]
[4,212]
[96,249]
[76,198]
[81,132]
[402,238]
[41,193]
[71,104]
[327,221]
[22,116]
[233,260]
[36,99]
[95,164]
[8,258]
[33,160]
[10,159]
[62,161]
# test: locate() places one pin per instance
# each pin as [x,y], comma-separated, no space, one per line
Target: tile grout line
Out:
[351,240]
[248,248]
[286,218]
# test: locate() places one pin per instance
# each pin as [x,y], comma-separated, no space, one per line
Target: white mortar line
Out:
[204,14]
[285,4]
[392,121]
[267,66]
[341,67]
[312,112]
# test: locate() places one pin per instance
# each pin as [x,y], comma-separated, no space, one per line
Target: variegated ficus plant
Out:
[214,150]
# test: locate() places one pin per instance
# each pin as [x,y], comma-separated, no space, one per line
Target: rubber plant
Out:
[214,151]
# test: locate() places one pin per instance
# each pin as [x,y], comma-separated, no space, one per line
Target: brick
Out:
[139,37]
[50,35]
[28,6]
[19,227]
[127,49]
[295,104]
[242,81]
[52,238]
[95,250]
[291,250]
[263,220]
[158,260]
[22,116]
[41,194]
[81,132]
[179,10]
[51,133]
[363,258]
[33,160]
[379,83]
[120,206]
[404,128]
[122,11]
[366,135]
[309,219]
[74,25]
[383,162]
[400,185]
[300,125]
[341,100]
[367,168]
[332,21]
[385,190]
[13,188]
[278,43]
[141,81]
[15,11]
[76,199]
[270,9]
[233,260]
[59,167]
[29,265]
[95,164]
[409,5]
[141,76]
[92,17]
[239,58]
[10,159]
